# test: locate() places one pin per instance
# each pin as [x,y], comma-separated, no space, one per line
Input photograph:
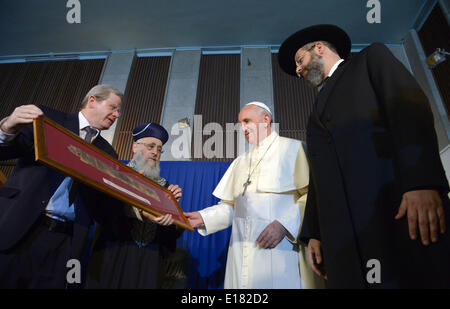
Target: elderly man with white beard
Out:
[133,255]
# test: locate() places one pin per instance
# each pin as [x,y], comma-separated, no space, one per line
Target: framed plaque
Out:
[67,153]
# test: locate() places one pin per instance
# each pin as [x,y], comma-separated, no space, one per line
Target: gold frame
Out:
[41,156]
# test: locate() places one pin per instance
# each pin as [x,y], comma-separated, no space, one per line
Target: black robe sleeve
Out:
[310,225]
[407,114]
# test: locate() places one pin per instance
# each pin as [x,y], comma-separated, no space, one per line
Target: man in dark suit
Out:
[377,181]
[44,215]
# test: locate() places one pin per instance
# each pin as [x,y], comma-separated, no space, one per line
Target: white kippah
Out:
[262,105]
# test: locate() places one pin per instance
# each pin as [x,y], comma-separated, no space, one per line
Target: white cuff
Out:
[216,218]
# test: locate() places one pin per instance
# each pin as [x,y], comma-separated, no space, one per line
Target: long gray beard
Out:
[315,70]
[151,169]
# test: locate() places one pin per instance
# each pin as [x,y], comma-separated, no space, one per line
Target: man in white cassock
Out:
[262,195]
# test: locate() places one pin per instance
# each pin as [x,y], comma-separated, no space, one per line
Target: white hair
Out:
[139,163]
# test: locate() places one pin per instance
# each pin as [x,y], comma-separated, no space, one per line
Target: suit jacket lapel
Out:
[98,142]
[328,88]
[72,123]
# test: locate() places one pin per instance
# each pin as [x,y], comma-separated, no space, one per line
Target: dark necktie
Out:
[90,133]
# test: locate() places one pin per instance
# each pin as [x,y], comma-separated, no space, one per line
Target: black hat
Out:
[328,33]
[150,129]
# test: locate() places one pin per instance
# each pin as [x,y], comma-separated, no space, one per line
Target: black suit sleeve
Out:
[408,117]
[22,145]
[310,225]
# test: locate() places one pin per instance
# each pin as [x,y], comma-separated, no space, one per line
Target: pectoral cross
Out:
[245,185]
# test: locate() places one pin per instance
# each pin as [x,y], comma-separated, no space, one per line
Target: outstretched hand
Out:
[194,218]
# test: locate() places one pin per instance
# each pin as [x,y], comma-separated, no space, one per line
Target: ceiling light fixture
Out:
[437,57]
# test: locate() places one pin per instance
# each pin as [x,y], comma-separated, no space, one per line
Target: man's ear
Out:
[134,147]
[267,118]
[320,47]
[91,101]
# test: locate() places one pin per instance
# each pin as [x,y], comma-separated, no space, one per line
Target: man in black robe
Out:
[377,205]
[141,251]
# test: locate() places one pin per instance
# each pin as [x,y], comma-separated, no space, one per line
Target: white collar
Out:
[266,142]
[83,123]
[334,67]
[268,139]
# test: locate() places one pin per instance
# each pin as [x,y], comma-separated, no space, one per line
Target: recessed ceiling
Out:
[40,27]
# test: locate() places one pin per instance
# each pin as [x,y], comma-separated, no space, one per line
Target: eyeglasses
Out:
[298,62]
[152,146]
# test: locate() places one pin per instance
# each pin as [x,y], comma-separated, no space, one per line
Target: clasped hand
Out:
[21,116]
[271,236]
[166,219]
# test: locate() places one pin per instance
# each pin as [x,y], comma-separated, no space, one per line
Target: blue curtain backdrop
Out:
[207,255]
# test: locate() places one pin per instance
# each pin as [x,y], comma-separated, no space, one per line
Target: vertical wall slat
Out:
[143,99]
[61,85]
[293,101]
[218,98]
